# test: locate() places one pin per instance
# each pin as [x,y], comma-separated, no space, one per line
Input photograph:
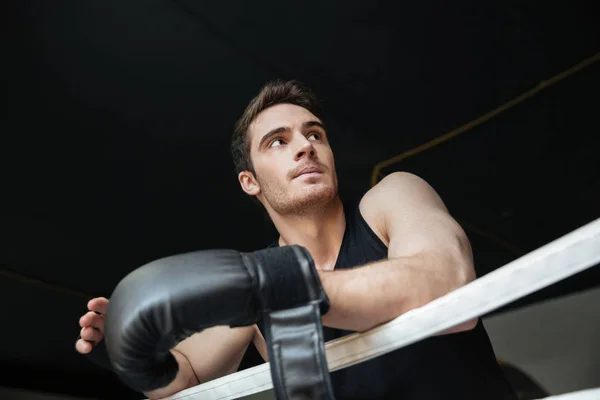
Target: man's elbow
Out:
[464,274]
[464,279]
[463,258]
[460,266]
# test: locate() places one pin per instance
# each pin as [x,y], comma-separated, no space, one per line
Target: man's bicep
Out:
[430,230]
[415,218]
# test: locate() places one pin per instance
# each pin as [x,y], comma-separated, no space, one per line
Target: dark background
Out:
[118,116]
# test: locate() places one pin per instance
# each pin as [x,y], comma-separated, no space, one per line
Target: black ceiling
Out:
[119,116]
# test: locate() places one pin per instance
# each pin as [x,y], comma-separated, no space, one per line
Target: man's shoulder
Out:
[395,194]
[398,180]
[392,186]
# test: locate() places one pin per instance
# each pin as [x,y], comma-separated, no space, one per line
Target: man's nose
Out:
[304,149]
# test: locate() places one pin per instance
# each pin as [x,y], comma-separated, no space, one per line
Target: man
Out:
[396,250]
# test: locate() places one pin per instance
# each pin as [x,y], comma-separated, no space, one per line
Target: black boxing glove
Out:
[161,303]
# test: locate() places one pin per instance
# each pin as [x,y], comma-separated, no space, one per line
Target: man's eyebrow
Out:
[310,124]
[271,133]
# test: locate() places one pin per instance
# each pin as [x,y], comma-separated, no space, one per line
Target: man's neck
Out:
[320,233]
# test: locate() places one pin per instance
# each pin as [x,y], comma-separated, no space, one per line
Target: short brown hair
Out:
[273,93]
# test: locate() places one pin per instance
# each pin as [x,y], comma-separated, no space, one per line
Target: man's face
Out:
[293,162]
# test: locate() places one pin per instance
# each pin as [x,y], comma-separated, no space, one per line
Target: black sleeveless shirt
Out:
[455,366]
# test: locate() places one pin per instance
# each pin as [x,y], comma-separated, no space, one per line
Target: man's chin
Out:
[316,193]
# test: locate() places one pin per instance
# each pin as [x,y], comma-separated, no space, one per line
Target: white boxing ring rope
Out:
[557,260]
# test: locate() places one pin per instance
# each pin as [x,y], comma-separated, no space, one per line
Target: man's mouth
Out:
[309,170]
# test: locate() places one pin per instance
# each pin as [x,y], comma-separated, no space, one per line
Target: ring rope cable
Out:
[553,262]
[584,394]
[376,172]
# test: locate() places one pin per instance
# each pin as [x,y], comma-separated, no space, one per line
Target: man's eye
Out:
[276,143]
[315,135]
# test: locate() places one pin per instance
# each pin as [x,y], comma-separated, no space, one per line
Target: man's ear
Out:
[248,183]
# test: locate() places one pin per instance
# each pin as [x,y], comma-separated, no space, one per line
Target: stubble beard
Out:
[311,201]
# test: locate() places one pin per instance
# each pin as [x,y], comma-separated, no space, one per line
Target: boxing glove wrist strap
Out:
[292,302]
[285,277]
[296,350]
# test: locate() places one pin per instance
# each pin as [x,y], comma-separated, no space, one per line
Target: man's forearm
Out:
[364,297]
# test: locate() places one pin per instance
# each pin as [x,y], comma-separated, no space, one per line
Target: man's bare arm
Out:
[428,256]
[208,355]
